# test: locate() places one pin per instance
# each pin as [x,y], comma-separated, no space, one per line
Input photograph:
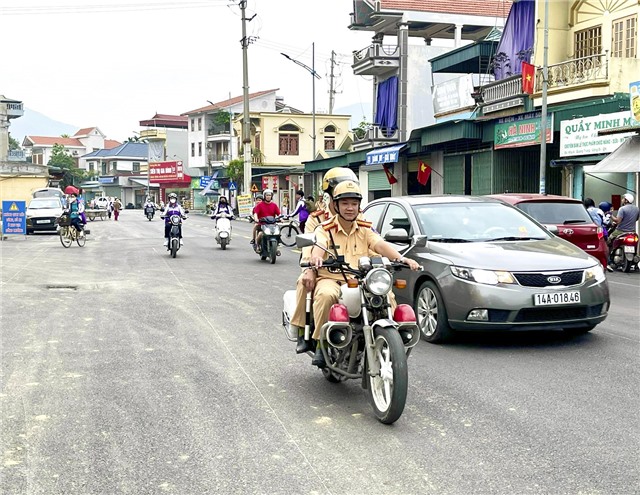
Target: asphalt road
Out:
[125,371]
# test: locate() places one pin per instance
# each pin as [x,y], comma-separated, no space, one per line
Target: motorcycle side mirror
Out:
[186,211]
[305,240]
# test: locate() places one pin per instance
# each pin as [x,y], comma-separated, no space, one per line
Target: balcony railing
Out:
[219,157]
[17,156]
[502,89]
[575,71]
[375,135]
[15,110]
[376,59]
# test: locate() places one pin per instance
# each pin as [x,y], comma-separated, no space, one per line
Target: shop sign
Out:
[270,182]
[166,171]
[453,95]
[245,204]
[580,136]
[106,180]
[521,130]
[634,101]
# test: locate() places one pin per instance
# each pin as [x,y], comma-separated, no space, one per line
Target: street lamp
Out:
[315,76]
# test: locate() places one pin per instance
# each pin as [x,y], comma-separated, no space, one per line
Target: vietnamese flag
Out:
[528,77]
[390,176]
[424,171]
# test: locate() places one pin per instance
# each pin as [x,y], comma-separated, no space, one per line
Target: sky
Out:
[110,63]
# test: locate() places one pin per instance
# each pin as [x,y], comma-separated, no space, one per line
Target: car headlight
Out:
[378,281]
[596,272]
[488,277]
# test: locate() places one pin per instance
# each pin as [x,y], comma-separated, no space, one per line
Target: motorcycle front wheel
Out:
[387,392]
[223,244]
[174,247]
[149,216]
[273,249]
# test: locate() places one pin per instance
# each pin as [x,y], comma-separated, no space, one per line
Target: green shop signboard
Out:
[521,130]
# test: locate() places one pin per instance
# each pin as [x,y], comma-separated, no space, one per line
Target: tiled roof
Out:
[230,102]
[111,143]
[491,8]
[50,141]
[161,119]
[84,132]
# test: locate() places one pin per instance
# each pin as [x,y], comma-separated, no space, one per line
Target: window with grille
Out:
[288,144]
[329,143]
[193,149]
[136,166]
[588,42]
[624,36]
[200,148]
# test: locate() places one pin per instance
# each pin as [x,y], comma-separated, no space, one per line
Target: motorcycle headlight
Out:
[488,277]
[175,219]
[596,273]
[378,281]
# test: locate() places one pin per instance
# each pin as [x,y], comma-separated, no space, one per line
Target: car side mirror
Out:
[398,236]
[419,241]
[552,228]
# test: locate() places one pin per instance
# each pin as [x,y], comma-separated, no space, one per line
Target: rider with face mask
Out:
[223,208]
[266,208]
[344,234]
[172,208]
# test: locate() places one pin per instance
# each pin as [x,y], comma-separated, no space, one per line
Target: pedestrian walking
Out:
[117,206]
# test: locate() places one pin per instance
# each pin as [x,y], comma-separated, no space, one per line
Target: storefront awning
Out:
[625,159]
[143,182]
[577,160]
[388,154]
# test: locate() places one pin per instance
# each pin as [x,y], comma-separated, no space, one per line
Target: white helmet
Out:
[628,197]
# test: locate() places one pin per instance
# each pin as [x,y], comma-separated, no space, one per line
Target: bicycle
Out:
[69,234]
[289,231]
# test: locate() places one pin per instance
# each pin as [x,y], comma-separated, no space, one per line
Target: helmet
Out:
[336,175]
[628,197]
[173,196]
[267,191]
[605,206]
[259,196]
[222,199]
[347,189]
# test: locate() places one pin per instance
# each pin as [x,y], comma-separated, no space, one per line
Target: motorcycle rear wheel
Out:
[387,392]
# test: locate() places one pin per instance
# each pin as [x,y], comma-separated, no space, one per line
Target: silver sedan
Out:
[489,266]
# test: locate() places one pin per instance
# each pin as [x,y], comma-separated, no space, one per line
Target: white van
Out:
[101,202]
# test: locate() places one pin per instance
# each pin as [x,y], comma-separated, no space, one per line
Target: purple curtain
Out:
[387,105]
[516,44]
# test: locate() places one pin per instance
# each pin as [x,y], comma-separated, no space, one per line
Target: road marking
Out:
[622,283]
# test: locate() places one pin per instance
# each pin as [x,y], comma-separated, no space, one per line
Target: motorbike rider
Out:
[266,208]
[625,220]
[258,199]
[172,208]
[75,208]
[307,279]
[344,234]
[222,208]
[605,208]
[149,204]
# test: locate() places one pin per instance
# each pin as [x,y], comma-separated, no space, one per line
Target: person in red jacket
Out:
[266,208]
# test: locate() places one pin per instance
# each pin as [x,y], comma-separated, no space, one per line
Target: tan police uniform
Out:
[360,241]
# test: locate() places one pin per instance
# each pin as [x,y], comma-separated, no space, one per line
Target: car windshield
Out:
[475,222]
[42,203]
[556,212]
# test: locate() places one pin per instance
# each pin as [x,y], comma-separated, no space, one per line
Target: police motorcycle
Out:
[223,229]
[363,339]
[270,239]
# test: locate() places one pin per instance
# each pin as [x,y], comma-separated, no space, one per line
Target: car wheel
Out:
[431,313]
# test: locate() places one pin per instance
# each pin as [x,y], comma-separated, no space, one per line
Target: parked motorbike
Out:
[174,234]
[268,245]
[149,211]
[223,229]
[363,338]
[624,251]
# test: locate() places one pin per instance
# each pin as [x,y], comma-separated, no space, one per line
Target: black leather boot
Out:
[302,345]
[318,358]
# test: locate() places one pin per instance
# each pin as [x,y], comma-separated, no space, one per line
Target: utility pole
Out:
[332,92]
[543,117]
[246,122]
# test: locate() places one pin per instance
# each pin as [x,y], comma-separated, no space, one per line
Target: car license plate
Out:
[43,221]
[550,298]
[629,249]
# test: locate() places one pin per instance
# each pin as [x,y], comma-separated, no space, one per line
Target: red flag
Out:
[390,177]
[424,171]
[528,77]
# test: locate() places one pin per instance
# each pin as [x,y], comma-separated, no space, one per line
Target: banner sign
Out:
[634,97]
[580,136]
[521,130]
[270,182]
[453,95]
[245,205]
[14,217]
[166,171]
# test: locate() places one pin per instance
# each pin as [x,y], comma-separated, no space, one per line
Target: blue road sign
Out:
[14,217]
[204,180]
[232,186]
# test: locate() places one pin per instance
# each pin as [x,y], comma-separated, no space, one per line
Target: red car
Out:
[569,215]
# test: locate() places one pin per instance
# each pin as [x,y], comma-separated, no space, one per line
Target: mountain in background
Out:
[33,123]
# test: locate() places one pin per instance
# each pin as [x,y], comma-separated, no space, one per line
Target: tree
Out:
[133,139]
[13,143]
[235,171]
[61,159]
